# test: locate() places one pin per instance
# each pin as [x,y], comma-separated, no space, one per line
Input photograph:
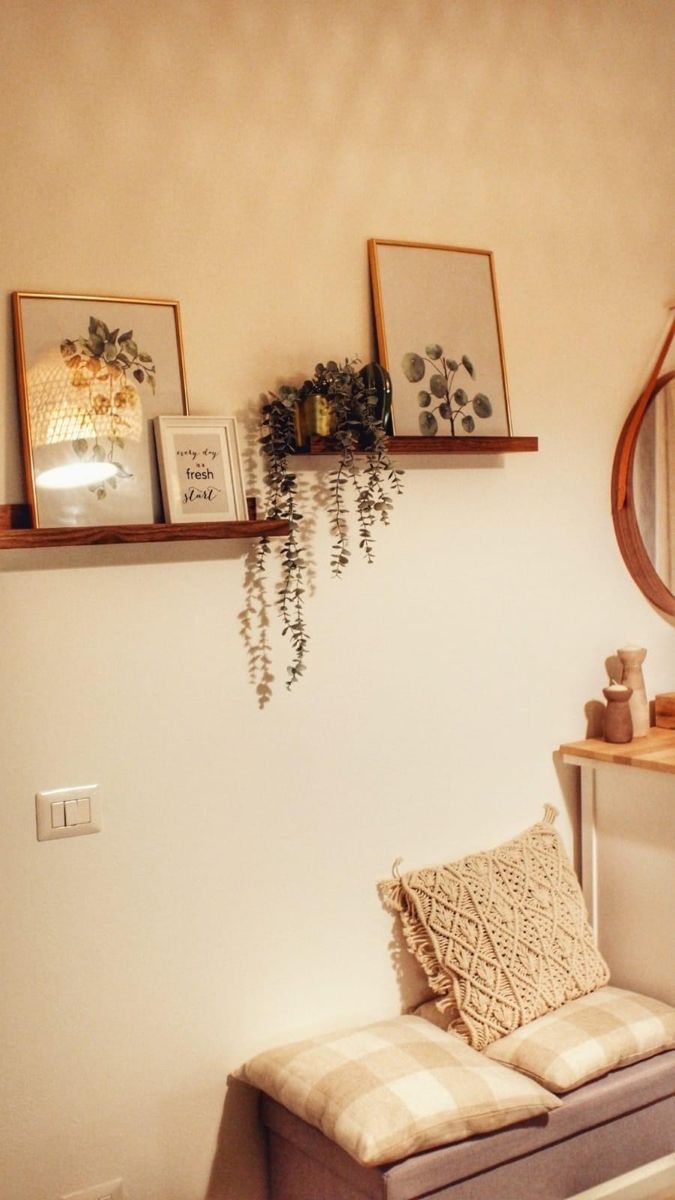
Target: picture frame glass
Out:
[93,373]
[439,337]
[200,468]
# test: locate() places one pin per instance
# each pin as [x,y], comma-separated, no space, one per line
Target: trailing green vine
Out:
[353,410]
[282,504]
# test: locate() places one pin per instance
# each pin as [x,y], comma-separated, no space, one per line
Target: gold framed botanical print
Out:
[439,337]
[93,372]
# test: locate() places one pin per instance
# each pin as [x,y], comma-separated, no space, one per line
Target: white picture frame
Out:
[200,469]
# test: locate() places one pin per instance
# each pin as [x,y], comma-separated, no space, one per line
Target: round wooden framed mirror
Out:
[643,493]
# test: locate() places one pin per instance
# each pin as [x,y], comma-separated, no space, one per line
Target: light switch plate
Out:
[113,1190]
[55,820]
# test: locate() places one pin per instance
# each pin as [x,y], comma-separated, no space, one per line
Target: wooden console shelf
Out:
[16,533]
[628,856]
[439,445]
[654,752]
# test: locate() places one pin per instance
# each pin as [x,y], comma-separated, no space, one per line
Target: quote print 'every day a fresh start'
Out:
[201,472]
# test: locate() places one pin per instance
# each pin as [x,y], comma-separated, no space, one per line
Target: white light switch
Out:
[72,810]
[67,812]
[58,815]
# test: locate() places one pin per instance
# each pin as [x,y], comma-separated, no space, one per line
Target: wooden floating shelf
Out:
[439,445]
[17,534]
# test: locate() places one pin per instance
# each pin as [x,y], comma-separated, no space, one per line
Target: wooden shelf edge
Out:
[16,534]
[653,752]
[439,445]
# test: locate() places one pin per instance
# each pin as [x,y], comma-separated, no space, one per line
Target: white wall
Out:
[237,155]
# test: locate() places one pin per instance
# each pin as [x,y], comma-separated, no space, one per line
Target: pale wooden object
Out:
[664,710]
[632,658]
[618,719]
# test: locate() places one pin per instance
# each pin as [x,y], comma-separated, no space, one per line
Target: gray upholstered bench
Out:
[567,1081]
[606,1127]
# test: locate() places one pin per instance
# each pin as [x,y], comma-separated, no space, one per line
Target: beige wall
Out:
[237,156]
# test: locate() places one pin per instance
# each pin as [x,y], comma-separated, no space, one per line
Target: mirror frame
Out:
[626,526]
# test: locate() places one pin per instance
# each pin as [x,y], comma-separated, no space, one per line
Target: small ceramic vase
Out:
[618,720]
[632,658]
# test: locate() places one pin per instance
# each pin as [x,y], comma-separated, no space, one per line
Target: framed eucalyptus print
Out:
[439,336]
[93,372]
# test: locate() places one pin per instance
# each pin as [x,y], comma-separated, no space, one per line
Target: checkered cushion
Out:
[588,1037]
[394,1088]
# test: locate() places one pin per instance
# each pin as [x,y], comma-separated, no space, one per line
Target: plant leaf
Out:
[482,405]
[413,367]
[428,424]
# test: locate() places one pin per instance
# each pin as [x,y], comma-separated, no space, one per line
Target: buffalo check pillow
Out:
[587,1038]
[395,1088]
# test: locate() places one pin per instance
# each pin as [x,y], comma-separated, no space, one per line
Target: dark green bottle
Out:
[378,383]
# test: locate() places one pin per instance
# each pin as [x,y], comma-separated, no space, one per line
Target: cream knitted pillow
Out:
[503,935]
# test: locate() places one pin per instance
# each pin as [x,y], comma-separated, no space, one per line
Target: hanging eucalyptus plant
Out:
[352,407]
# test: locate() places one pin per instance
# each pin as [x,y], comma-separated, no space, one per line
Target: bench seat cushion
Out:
[588,1037]
[604,1128]
[395,1088]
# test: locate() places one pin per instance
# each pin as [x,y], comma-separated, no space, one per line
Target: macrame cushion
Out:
[395,1088]
[587,1038]
[502,935]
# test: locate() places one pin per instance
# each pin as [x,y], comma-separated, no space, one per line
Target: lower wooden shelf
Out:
[16,533]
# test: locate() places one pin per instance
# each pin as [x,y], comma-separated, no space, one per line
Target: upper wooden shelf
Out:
[16,533]
[654,752]
[440,445]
